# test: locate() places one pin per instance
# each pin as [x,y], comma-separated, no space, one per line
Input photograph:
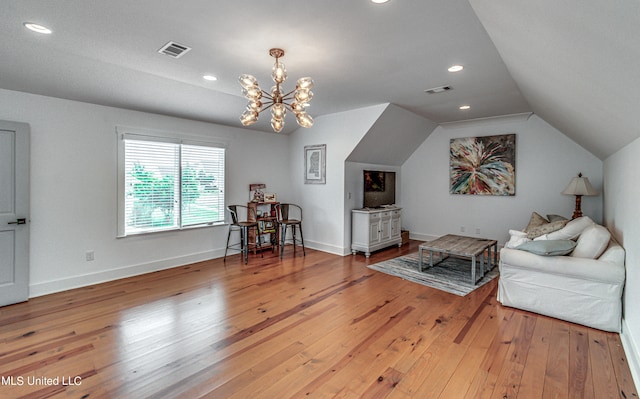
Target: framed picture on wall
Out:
[315,164]
[483,165]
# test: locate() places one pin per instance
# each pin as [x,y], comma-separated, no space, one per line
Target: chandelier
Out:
[295,101]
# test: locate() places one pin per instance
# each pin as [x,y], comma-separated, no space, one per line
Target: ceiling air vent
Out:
[173,49]
[438,89]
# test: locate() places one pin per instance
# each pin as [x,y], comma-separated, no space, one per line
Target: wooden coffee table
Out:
[468,247]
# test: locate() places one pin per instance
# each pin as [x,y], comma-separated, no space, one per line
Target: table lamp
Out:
[579,186]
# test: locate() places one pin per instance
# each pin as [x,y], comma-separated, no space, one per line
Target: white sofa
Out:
[584,286]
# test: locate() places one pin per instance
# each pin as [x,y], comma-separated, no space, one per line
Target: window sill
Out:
[173,230]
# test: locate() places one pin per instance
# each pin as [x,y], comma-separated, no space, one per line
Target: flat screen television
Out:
[379,188]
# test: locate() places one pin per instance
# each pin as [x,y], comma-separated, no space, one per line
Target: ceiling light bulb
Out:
[304,83]
[278,111]
[247,81]
[277,125]
[303,95]
[279,74]
[304,119]
[249,117]
[37,28]
[209,78]
[254,105]
[465,107]
[277,91]
[252,93]
[298,107]
[455,68]
[379,1]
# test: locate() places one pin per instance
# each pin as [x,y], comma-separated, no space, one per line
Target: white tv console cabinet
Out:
[373,229]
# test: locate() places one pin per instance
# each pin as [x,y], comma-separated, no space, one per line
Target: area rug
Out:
[452,275]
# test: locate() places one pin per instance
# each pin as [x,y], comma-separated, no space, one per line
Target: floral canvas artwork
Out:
[483,165]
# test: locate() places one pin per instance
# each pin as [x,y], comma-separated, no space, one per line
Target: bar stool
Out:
[289,215]
[243,227]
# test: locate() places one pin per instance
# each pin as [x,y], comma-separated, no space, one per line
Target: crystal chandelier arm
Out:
[289,95]
[267,95]
[266,107]
[270,101]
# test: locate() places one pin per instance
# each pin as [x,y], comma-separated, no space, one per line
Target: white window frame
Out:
[124,133]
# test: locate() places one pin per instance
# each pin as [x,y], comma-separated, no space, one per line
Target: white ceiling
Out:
[359,54]
[577,62]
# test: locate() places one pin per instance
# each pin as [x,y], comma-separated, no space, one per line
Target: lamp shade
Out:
[580,186]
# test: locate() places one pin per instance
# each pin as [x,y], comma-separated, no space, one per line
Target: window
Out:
[168,184]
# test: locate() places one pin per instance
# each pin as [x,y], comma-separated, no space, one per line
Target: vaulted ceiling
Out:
[576,63]
[573,63]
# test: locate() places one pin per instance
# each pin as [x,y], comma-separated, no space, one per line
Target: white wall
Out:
[73,190]
[622,217]
[325,215]
[546,160]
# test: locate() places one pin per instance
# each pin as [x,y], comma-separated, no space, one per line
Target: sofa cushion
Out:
[571,231]
[592,242]
[555,218]
[517,238]
[534,221]
[613,254]
[548,247]
[546,228]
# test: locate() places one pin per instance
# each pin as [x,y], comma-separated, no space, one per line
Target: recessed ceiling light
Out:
[379,1]
[37,28]
[465,107]
[455,68]
[209,77]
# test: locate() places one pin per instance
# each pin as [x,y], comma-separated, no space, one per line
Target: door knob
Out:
[19,221]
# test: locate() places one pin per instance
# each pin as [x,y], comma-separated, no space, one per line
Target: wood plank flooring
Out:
[320,326]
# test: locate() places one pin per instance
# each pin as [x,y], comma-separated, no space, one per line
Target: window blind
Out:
[202,185]
[169,185]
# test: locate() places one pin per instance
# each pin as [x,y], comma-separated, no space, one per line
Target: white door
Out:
[14,212]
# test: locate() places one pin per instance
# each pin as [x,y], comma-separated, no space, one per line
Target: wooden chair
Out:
[289,215]
[243,227]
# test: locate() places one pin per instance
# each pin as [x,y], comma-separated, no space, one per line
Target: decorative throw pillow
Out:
[548,247]
[572,230]
[517,238]
[546,228]
[535,221]
[592,242]
[555,218]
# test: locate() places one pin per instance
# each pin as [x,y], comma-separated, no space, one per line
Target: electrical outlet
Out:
[90,256]
[477,231]
[462,229]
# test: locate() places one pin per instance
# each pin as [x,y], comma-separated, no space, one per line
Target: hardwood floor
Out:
[320,326]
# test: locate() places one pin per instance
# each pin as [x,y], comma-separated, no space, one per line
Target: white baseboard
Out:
[68,283]
[332,249]
[632,353]
[64,284]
